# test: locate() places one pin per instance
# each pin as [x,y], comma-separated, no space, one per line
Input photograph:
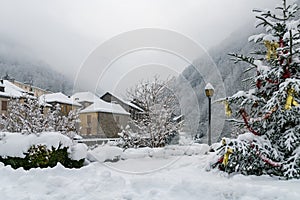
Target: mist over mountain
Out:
[17,62]
[232,76]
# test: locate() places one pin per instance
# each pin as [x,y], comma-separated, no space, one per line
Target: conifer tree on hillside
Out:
[269,112]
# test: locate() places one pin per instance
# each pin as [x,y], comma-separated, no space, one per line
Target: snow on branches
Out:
[156,123]
[28,116]
[270,110]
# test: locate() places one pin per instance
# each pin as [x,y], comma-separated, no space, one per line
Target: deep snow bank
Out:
[184,179]
[113,153]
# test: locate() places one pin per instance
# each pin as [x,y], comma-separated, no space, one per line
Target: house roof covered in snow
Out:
[58,98]
[101,106]
[84,97]
[11,90]
[133,105]
[124,101]
[180,117]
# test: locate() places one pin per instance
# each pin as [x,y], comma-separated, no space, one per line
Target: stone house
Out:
[66,103]
[135,111]
[29,88]
[9,91]
[85,98]
[102,119]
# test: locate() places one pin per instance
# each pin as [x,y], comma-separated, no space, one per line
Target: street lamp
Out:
[209,91]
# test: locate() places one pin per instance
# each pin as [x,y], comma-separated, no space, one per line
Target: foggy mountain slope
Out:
[233,73]
[18,63]
[232,76]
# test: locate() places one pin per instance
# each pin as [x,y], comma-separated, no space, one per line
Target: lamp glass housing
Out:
[209,92]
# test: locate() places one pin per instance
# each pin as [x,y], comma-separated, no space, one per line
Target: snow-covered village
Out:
[130,100]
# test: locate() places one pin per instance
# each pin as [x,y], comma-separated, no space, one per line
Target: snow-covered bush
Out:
[128,139]
[40,156]
[43,150]
[26,119]
[270,110]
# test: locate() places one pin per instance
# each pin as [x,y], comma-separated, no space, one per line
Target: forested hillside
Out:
[36,73]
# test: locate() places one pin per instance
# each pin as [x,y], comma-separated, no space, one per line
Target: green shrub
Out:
[40,156]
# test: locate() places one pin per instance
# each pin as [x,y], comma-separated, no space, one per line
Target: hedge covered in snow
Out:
[40,150]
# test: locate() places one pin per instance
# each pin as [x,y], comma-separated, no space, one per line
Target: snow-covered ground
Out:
[172,173]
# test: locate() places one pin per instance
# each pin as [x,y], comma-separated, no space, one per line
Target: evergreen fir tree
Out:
[269,111]
[14,120]
[33,116]
[26,115]
[71,123]
[54,119]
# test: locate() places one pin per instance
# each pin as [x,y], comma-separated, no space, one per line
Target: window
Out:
[65,109]
[118,119]
[88,131]
[88,120]
[4,105]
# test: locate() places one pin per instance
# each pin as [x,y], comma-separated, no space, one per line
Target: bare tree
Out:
[159,104]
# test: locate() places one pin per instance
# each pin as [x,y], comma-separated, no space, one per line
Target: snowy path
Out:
[180,178]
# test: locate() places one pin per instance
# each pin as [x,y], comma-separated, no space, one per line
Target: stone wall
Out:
[103,125]
[86,127]
[111,124]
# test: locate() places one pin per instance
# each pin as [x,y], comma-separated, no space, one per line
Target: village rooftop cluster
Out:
[101,116]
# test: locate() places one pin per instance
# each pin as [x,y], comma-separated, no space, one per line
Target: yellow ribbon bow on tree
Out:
[271,49]
[228,111]
[226,156]
[290,99]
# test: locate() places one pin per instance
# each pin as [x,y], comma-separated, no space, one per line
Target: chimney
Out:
[2,87]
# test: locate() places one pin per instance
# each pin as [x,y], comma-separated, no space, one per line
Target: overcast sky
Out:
[64,32]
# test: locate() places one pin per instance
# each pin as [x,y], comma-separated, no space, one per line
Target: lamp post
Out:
[209,91]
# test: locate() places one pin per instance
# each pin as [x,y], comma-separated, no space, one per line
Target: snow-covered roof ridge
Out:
[85,96]
[58,97]
[134,106]
[129,103]
[11,90]
[102,106]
